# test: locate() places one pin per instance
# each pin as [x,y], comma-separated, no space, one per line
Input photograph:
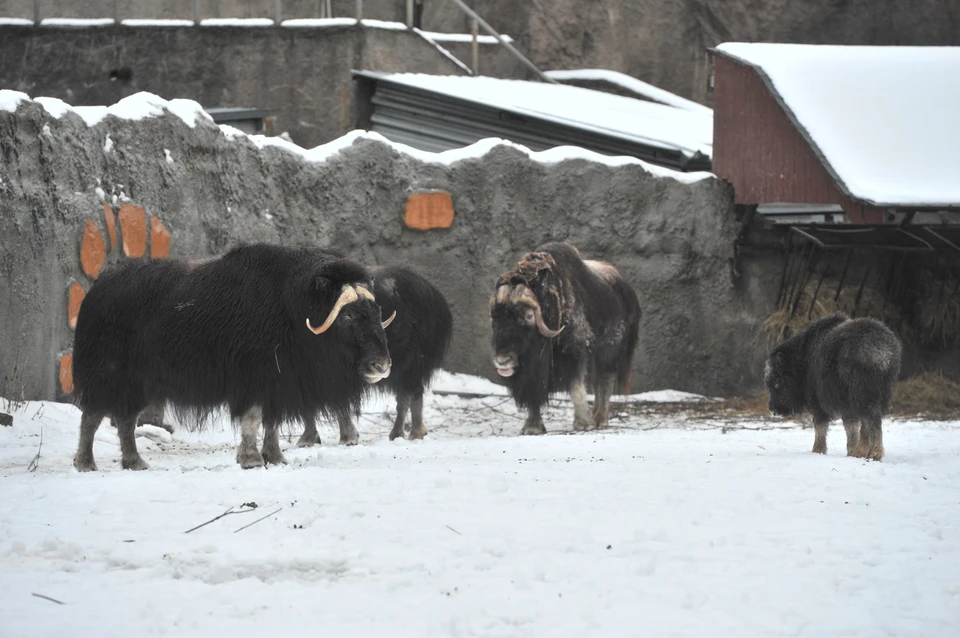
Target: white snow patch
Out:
[54,106]
[892,138]
[631,83]
[77,22]
[108,144]
[682,530]
[167,156]
[10,100]
[318,23]
[16,22]
[101,195]
[463,37]
[237,22]
[621,117]
[384,24]
[139,106]
[46,130]
[138,22]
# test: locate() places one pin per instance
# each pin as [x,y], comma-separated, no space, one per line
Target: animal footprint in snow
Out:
[134,241]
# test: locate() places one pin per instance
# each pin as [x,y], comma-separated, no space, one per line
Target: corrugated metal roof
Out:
[438,113]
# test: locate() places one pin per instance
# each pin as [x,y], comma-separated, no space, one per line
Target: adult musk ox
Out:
[273,332]
[837,368]
[417,340]
[560,323]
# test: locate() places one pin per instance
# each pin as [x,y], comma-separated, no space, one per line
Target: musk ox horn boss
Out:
[837,367]
[562,323]
[417,342]
[228,330]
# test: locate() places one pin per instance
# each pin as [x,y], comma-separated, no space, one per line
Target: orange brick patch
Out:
[77,294]
[426,211]
[66,373]
[133,227]
[159,239]
[92,250]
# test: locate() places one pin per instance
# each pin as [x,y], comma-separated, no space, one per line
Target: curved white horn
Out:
[527,298]
[390,320]
[349,295]
[363,292]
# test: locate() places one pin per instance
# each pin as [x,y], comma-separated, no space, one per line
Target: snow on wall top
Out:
[143,105]
[886,119]
[623,117]
[633,85]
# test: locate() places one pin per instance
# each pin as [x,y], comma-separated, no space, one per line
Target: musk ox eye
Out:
[529,318]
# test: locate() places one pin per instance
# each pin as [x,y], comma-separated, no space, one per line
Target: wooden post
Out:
[278,9]
[409,13]
[359,10]
[36,13]
[475,47]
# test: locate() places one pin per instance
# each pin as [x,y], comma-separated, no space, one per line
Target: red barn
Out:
[839,134]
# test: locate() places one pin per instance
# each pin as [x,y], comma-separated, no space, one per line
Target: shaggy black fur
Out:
[417,339]
[600,316]
[230,330]
[837,368]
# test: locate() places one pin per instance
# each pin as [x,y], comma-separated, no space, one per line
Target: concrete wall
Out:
[673,241]
[301,75]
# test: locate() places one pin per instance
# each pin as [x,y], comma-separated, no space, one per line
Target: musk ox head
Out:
[785,384]
[351,320]
[526,310]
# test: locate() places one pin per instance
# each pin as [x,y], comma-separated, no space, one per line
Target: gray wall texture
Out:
[663,42]
[672,241]
[303,76]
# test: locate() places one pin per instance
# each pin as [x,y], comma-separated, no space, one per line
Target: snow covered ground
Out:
[661,525]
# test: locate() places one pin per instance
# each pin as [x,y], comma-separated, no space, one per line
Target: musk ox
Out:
[417,340]
[560,323]
[837,367]
[273,332]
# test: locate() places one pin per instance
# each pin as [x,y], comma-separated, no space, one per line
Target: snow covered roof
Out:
[648,123]
[633,85]
[884,121]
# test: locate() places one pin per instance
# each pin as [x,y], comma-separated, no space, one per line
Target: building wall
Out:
[758,149]
[301,75]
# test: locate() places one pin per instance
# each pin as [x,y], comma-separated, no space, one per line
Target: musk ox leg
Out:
[870,445]
[581,410]
[534,424]
[820,425]
[271,444]
[852,426]
[417,429]
[129,456]
[601,406]
[348,431]
[403,404]
[310,436]
[83,459]
[247,454]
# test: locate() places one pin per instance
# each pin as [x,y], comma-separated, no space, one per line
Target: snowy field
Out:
[664,524]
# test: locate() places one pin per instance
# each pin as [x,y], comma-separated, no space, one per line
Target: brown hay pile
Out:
[780,325]
[939,309]
[930,395]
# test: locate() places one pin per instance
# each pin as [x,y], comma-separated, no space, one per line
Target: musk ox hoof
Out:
[84,465]
[396,433]
[819,449]
[532,430]
[351,439]
[308,440]
[417,433]
[136,463]
[583,426]
[274,457]
[249,459]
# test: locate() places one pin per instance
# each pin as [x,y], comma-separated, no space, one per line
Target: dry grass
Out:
[939,310]
[929,395]
[780,325]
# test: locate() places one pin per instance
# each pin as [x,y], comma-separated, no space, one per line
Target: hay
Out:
[939,316]
[780,325]
[929,395]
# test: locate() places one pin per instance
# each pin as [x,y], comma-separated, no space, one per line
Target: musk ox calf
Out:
[417,340]
[837,367]
[560,323]
[273,332]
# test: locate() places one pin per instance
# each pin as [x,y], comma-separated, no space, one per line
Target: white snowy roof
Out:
[632,84]
[627,118]
[884,120]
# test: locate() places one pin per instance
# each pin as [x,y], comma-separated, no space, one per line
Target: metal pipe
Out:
[359,10]
[475,47]
[483,23]
[196,13]
[278,9]
[36,13]
[409,13]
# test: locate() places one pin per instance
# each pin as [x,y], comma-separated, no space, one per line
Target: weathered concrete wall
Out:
[673,241]
[301,75]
